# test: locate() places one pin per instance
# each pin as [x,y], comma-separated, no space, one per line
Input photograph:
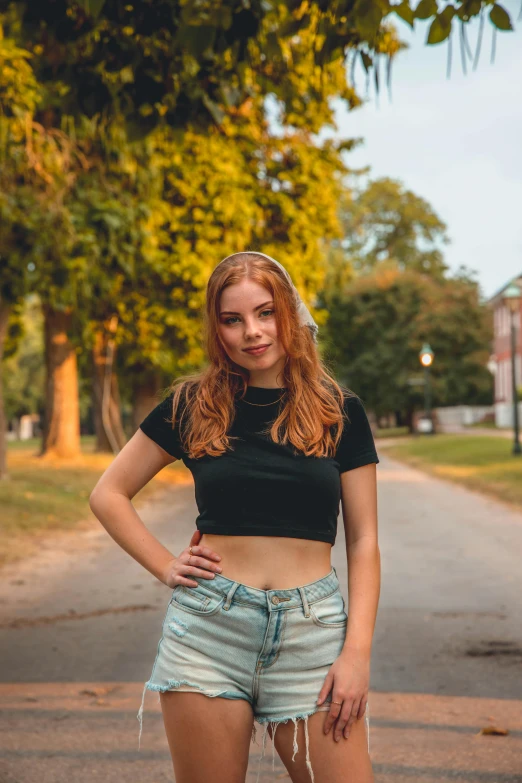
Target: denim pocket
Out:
[329,611]
[196,600]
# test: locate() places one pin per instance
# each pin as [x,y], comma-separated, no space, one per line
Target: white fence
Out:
[504,414]
[463,415]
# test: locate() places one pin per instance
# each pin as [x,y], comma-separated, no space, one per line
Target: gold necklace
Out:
[263,404]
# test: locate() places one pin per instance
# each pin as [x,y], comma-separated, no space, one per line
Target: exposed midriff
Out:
[270,563]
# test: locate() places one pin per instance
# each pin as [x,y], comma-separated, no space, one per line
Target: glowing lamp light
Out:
[426,355]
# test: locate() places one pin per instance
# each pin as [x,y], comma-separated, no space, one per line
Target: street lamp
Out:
[492,366]
[511,299]
[426,359]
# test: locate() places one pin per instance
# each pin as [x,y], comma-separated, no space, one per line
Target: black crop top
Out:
[262,488]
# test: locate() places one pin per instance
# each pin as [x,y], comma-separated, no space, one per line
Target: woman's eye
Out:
[234,317]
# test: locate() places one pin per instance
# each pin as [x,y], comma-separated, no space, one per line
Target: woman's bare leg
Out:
[346,761]
[209,737]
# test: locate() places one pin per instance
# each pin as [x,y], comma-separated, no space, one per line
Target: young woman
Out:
[256,627]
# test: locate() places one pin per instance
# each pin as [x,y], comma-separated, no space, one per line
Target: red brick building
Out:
[501,354]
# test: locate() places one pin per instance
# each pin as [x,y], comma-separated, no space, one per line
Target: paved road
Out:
[79,627]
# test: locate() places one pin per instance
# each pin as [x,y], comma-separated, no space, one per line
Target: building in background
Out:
[500,359]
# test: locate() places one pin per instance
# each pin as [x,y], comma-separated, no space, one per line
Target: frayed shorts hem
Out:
[185,686]
[191,688]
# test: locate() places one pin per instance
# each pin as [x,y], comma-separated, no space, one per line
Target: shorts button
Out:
[275,599]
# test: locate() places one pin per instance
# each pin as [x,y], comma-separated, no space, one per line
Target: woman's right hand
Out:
[202,563]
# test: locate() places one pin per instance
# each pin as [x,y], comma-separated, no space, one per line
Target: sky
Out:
[456,142]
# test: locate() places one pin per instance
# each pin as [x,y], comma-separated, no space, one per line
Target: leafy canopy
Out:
[181,62]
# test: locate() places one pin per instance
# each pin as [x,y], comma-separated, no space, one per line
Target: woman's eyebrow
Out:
[232,312]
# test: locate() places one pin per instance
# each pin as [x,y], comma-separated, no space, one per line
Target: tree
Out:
[387,222]
[23,366]
[35,170]
[18,94]
[378,324]
[66,257]
[277,194]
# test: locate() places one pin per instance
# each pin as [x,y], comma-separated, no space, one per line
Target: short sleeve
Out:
[158,427]
[356,447]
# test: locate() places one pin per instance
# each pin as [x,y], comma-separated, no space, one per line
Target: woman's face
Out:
[247,319]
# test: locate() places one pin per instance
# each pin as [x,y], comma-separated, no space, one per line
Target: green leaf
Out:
[367,17]
[405,12]
[92,7]
[441,26]
[500,18]
[437,33]
[138,126]
[332,49]
[224,17]
[196,39]
[272,48]
[469,9]
[426,9]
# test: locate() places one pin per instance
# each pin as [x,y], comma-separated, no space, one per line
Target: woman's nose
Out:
[252,328]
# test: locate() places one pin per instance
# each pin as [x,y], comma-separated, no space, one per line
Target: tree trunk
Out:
[61,434]
[110,436]
[145,398]
[4,320]
[409,419]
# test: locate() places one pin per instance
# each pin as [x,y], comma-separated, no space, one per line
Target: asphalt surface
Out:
[80,623]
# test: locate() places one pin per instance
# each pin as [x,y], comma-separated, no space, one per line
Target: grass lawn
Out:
[484,463]
[490,426]
[44,495]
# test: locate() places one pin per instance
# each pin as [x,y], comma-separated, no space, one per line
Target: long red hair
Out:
[311,418]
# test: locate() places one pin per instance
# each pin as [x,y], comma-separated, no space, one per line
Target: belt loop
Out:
[230,594]
[305,602]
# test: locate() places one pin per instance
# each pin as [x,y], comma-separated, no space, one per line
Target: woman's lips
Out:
[257,351]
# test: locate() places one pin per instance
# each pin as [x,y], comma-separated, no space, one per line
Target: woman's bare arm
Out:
[349,676]
[359,505]
[110,500]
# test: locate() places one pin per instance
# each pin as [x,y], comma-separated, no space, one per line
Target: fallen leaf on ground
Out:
[102,690]
[493,730]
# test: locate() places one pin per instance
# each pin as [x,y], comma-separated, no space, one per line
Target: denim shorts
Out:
[272,648]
